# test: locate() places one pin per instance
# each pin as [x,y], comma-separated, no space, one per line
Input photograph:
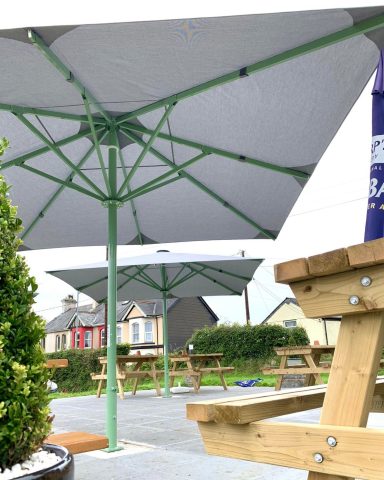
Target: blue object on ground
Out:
[248,383]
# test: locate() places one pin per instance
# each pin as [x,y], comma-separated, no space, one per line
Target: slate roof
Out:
[151,308]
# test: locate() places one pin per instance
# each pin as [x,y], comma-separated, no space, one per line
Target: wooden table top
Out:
[304,349]
[197,356]
[131,358]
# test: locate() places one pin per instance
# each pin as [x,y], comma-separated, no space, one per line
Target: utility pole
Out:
[247,315]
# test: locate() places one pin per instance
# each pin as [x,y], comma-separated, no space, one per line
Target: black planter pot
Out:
[64,470]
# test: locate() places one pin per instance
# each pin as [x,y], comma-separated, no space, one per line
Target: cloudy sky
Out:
[329,214]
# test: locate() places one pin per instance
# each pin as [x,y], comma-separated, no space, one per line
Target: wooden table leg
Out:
[353,374]
[221,375]
[172,379]
[136,381]
[195,383]
[99,388]
[119,382]
[279,379]
[155,381]
[313,362]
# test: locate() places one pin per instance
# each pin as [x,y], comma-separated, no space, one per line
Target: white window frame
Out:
[77,339]
[103,340]
[288,322]
[135,334]
[64,341]
[148,335]
[57,343]
[86,334]
[119,334]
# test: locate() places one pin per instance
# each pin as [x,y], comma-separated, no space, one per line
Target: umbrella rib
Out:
[185,278]
[146,147]
[38,42]
[48,113]
[309,47]
[219,151]
[46,207]
[207,190]
[214,280]
[55,149]
[144,275]
[219,270]
[65,183]
[177,275]
[140,280]
[132,203]
[96,142]
[40,151]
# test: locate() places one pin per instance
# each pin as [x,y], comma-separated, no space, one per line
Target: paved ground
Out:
[159,442]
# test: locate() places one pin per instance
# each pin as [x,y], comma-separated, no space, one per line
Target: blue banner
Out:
[374,226]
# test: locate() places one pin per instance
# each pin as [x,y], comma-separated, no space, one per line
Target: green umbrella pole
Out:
[167,392]
[112,300]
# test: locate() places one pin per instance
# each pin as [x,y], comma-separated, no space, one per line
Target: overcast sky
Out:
[329,214]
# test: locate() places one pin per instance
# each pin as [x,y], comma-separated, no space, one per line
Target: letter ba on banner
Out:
[374,226]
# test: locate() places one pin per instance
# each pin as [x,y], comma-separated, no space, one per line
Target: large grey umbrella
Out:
[199,129]
[162,275]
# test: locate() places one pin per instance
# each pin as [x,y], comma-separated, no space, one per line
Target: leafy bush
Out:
[81,363]
[23,379]
[238,342]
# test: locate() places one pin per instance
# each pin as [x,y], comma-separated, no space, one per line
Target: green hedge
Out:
[238,342]
[81,363]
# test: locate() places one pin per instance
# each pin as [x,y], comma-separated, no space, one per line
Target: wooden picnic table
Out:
[310,366]
[197,366]
[135,373]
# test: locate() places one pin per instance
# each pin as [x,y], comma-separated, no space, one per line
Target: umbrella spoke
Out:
[146,147]
[181,270]
[144,275]
[219,270]
[218,151]
[40,151]
[66,183]
[200,272]
[132,203]
[186,277]
[206,189]
[55,149]
[38,42]
[97,145]
[48,113]
[57,193]
[360,28]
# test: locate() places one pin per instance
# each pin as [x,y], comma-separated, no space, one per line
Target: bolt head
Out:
[366,281]
[354,300]
[332,442]
[318,457]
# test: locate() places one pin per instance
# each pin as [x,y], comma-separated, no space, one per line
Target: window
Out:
[148,336]
[118,334]
[88,339]
[135,333]
[64,341]
[77,339]
[42,343]
[102,338]
[290,323]
[57,348]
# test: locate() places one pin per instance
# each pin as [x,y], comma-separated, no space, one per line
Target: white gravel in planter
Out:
[37,461]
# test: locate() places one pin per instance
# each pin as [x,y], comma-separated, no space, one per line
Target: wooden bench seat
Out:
[251,408]
[78,442]
[183,373]
[216,369]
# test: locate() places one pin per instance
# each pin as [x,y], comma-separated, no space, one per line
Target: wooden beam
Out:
[292,271]
[328,263]
[78,442]
[365,254]
[359,452]
[323,296]
[251,408]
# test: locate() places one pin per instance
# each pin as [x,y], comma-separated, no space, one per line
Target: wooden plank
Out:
[57,363]
[215,369]
[250,408]
[359,452]
[292,271]
[365,254]
[99,376]
[329,263]
[324,296]
[78,442]
[293,350]
[298,371]
[183,373]
[354,368]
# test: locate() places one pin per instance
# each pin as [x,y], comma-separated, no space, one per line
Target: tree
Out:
[23,376]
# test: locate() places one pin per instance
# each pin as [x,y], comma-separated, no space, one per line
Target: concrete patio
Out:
[160,443]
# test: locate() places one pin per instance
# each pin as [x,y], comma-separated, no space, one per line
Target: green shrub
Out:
[81,363]
[23,376]
[239,342]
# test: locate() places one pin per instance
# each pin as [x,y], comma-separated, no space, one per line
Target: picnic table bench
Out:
[347,282]
[197,366]
[136,373]
[311,366]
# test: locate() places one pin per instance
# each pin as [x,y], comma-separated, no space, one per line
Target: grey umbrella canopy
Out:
[162,275]
[192,129]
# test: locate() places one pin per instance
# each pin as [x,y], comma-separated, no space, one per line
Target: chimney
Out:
[68,302]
